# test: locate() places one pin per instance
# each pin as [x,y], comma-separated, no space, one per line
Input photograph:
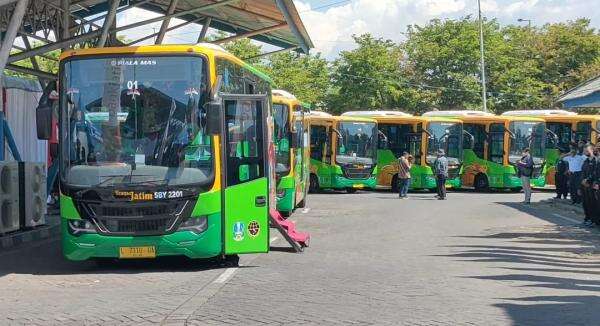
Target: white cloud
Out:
[331,30]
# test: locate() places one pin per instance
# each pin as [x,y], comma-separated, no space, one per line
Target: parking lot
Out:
[473,259]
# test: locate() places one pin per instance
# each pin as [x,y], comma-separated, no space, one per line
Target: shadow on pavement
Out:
[551,257]
[46,259]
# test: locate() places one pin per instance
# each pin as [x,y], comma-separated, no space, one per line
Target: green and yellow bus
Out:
[565,128]
[182,162]
[419,136]
[494,145]
[343,152]
[291,137]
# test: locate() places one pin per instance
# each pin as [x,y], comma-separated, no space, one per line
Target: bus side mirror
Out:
[43,122]
[213,118]
[294,139]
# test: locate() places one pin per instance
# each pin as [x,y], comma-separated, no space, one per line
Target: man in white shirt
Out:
[575,162]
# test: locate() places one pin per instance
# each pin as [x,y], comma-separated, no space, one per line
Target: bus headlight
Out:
[194,224]
[78,227]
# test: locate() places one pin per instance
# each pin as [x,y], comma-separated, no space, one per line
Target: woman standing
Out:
[404,165]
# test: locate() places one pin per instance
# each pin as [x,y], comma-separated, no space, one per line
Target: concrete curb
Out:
[16,239]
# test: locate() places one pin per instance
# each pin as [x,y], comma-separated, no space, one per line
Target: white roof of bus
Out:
[537,113]
[213,46]
[282,93]
[377,113]
[457,113]
[320,114]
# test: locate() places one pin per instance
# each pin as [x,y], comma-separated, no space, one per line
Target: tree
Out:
[305,76]
[366,77]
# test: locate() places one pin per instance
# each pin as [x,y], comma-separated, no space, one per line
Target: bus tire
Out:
[351,190]
[394,185]
[314,184]
[231,260]
[481,183]
[302,203]
[285,214]
[516,189]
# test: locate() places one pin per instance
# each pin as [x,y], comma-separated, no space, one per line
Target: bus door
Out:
[245,177]
[320,151]
[497,151]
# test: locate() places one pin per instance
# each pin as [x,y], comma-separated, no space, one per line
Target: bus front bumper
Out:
[340,182]
[180,243]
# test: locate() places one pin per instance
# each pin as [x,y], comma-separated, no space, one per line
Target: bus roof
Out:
[322,116]
[377,113]
[210,50]
[457,113]
[284,94]
[539,113]
[283,97]
[497,118]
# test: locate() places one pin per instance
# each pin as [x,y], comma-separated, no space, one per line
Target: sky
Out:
[331,23]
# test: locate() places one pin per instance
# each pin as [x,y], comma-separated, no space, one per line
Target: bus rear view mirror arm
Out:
[294,139]
[338,134]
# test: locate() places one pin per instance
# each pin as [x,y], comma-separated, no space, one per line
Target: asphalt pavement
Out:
[473,259]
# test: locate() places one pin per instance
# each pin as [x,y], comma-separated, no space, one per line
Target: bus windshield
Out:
[527,134]
[281,137]
[358,142]
[132,120]
[561,136]
[446,136]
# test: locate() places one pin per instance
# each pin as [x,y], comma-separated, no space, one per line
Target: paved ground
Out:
[474,259]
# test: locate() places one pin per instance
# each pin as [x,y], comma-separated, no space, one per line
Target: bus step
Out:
[298,240]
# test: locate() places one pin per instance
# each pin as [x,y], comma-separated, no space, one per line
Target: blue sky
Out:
[331,23]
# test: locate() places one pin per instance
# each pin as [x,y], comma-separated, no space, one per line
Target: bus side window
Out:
[584,131]
[318,142]
[496,143]
[478,144]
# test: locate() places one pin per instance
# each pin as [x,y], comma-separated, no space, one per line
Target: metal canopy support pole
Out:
[108,21]
[6,2]
[66,22]
[251,33]
[271,53]
[288,18]
[165,23]
[204,30]
[483,86]
[92,34]
[33,72]
[34,62]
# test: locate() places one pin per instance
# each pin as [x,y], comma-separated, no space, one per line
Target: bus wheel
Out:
[481,183]
[350,190]
[302,203]
[314,184]
[395,183]
[285,214]
[231,260]
[516,189]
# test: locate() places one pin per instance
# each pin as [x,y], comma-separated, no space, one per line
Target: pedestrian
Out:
[596,186]
[441,173]
[575,162]
[561,179]
[525,169]
[404,165]
[586,186]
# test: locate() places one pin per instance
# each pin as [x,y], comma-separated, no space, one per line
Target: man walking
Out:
[575,162]
[596,186]
[525,166]
[440,167]
[586,186]
[404,165]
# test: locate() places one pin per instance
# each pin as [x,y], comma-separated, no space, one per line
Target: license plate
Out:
[360,166]
[137,252]
[358,186]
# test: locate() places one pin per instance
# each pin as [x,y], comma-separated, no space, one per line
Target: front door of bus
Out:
[246,185]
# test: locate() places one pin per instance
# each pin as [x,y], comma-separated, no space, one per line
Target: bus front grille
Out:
[136,226]
[357,173]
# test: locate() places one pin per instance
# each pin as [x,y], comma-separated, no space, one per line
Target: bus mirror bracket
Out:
[294,139]
[338,134]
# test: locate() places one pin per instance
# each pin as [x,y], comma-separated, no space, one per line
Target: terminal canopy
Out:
[61,24]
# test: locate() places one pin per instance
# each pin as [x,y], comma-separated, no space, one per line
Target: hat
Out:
[440,152]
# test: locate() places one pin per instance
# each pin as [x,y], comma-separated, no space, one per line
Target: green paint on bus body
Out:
[499,176]
[286,186]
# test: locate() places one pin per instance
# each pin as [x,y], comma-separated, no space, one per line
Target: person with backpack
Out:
[525,167]
[404,165]
[586,186]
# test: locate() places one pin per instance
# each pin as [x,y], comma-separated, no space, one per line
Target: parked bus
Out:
[291,135]
[180,164]
[343,152]
[419,136]
[493,147]
[565,128]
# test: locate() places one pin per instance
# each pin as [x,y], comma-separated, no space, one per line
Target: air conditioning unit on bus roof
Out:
[457,113]
[320,114]
[377,113]
[538,113]
[282,93]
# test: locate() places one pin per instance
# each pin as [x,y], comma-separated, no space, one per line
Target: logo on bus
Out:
[238,231]
[134,196]
[253,228]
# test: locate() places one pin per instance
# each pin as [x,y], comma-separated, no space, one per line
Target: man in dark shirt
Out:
[596,184]
[561,180]
[586,186]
